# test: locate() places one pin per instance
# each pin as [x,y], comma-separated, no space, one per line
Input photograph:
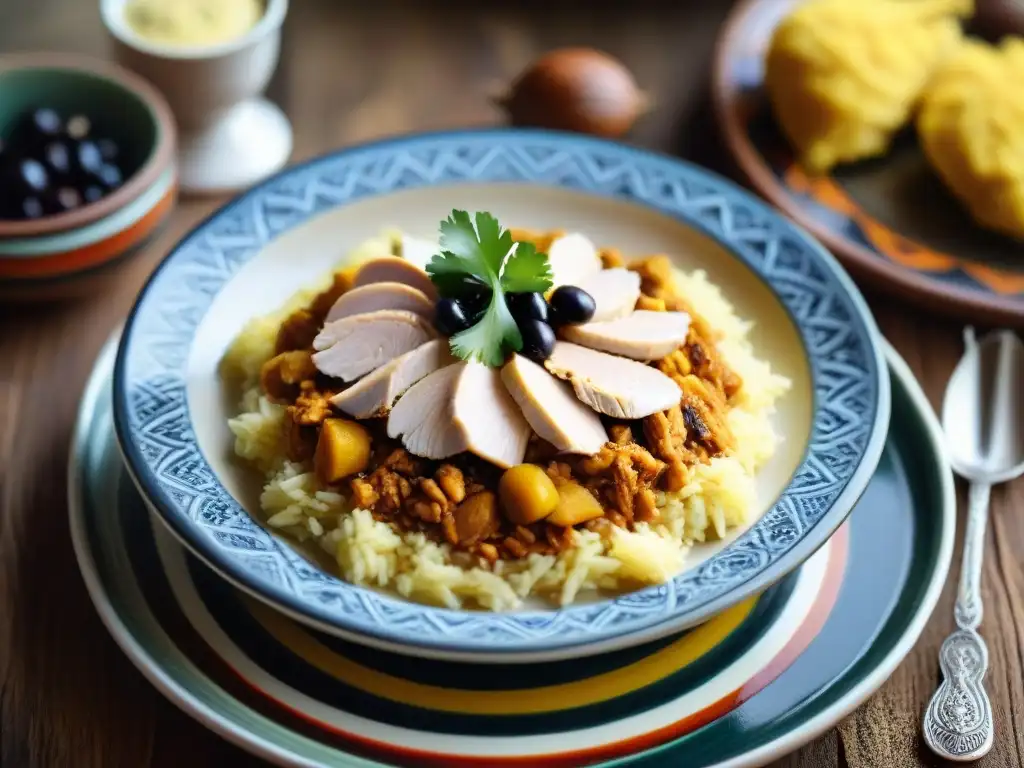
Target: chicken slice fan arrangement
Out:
[552,409]
[423,416]
[395,269]
[615,292]
[353,346]
[377,296]
[642,335]
[439,416]
[374,394]
[573,258]
[621,388]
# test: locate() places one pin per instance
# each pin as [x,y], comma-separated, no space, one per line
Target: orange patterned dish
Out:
[890,220]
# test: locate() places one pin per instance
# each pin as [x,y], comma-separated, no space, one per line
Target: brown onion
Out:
[995,19]
[576,89]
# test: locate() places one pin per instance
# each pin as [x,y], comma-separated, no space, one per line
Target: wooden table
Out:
[351,72]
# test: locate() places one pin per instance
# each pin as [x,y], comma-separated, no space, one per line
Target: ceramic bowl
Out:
[131,111]
[79,261]
[811,322]
[230,136]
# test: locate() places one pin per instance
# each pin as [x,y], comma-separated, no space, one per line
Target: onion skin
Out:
[995,19]
[576,89]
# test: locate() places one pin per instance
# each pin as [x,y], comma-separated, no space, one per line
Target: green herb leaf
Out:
[448,273]
[488,341]
[526,271]
[477,251]
[478,248]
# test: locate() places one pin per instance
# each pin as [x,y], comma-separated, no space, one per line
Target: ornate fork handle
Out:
[958,723]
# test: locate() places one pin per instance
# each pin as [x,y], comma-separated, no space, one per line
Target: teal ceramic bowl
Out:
[41,255]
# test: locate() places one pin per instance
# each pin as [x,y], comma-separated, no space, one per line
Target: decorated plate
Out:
[891,221]
[751,683]
[810,322]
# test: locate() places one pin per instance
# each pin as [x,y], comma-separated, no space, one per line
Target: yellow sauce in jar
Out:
[192,22]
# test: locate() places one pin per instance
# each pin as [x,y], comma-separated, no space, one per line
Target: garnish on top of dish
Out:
[844,78]
[504,414]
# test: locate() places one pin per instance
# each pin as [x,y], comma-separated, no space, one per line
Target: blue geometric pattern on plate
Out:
[155,431]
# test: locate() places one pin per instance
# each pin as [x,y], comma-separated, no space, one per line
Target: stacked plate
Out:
[764,639]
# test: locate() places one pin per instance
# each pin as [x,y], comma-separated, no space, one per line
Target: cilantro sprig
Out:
[487,254]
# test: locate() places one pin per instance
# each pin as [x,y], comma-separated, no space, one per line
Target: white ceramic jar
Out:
[230,136]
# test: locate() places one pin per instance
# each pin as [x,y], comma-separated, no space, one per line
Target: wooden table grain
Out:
[351,72]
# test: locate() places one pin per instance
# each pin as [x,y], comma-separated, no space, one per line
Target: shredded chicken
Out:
[311,407]
[622,476]
[666,436]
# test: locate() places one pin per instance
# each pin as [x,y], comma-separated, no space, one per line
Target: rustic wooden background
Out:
[351,72]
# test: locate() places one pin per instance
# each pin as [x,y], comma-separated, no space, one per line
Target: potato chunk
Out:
[342,450]
[575,505]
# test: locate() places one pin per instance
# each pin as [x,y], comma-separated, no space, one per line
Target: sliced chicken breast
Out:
[573,258]
[461,407]
[416,251]
[394,269]
[374,394]
[552,409]
[624,389]
[492,422]
[376,296]
[423,418]
[642,335]
[615,292]
[353,346]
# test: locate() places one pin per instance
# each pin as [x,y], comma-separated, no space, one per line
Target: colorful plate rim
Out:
[841,341]
[977,302]
[253,732]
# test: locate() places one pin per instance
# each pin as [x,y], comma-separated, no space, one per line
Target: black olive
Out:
[450,317]
[110,175]
[10,205]
[538,339]
[88,157]
[32,208]
[36,128]
[527,306]
[33,175]
[108,149]
[57,157]
[92,193]
[571,305]
[473,294]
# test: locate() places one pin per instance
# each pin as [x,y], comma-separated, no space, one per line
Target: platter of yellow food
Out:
[893,134]
[500,395]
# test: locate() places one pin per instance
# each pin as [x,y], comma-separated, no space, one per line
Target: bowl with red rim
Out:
[69,210]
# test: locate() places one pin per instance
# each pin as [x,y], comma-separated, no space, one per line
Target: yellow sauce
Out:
[192,22]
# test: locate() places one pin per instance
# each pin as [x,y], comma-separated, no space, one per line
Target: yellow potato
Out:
[575,505]
[527,494]
[343,449]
